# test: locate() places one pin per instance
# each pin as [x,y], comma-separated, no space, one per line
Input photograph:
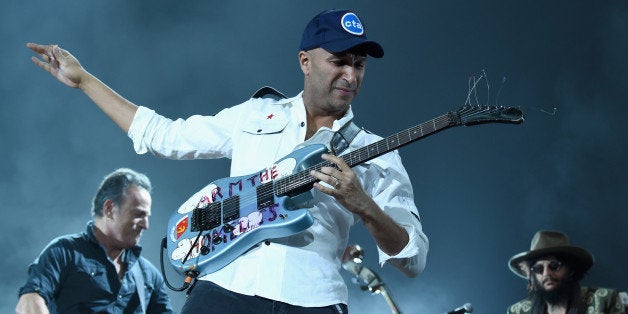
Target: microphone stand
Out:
[352,262]
[389,300]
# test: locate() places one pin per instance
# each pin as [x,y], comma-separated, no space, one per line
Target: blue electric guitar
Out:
[231,215]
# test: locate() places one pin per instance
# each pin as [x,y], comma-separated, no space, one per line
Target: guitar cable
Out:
[190,275]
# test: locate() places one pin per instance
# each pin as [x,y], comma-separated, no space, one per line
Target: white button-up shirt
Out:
[303,269]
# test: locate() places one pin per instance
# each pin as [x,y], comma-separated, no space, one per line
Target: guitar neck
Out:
[466,115]
[398,140]
[303,180]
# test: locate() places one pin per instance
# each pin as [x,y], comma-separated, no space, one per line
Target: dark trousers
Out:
[209,298]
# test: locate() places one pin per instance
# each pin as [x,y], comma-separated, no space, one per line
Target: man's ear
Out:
[107,209]
[304,61]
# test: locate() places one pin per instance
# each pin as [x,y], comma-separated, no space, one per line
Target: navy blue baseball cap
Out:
[338,31]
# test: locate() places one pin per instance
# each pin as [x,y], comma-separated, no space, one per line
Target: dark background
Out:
[482,191]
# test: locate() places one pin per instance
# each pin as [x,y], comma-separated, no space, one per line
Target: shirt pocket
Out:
[93,274]
[258,143]
[86,282]
[265,123]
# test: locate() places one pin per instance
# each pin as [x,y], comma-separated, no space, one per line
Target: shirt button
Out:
[302,124]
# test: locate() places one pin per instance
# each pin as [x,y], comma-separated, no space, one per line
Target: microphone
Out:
[466,308]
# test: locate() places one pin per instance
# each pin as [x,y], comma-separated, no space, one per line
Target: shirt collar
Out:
[129,255]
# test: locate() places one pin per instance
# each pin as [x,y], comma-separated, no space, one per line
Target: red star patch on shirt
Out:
[270,116]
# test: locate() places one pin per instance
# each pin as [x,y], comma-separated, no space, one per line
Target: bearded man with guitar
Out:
[270,238]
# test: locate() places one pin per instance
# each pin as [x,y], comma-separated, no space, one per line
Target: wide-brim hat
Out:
[339,31]
[546,243]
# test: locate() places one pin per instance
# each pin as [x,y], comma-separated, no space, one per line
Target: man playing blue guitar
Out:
[294,270]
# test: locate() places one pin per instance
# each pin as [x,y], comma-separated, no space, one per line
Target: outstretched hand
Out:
[58,62]
[67,69]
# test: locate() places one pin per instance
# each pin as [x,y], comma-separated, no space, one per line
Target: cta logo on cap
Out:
[351,23]
[339,31]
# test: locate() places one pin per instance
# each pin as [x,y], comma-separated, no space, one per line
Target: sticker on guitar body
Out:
[245,224]
[210,194]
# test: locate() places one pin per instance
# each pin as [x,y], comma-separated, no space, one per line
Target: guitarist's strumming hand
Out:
[348,191]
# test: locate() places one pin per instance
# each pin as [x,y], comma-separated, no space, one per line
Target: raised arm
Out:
[66,68]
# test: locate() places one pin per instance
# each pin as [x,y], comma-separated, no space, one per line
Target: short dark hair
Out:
[114,186]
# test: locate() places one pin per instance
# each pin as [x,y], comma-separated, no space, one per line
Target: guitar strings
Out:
[379,147]
[303,178]
[293,181]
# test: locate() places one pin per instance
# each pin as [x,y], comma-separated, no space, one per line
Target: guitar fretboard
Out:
[303,180]
[466,115]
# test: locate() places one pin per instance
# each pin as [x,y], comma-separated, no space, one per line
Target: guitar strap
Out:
[267,91]
[341,138]
[139,284]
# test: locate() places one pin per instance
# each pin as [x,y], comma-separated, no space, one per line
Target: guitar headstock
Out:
[472,115]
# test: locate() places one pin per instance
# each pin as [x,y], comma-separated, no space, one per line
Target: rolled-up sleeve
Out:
[392,191]
[44,274]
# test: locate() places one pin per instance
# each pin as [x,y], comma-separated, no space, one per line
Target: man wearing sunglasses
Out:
[554,269]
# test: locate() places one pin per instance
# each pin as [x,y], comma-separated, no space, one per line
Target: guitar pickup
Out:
[265,195]
[206,218]
[231,209]
[216,214]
